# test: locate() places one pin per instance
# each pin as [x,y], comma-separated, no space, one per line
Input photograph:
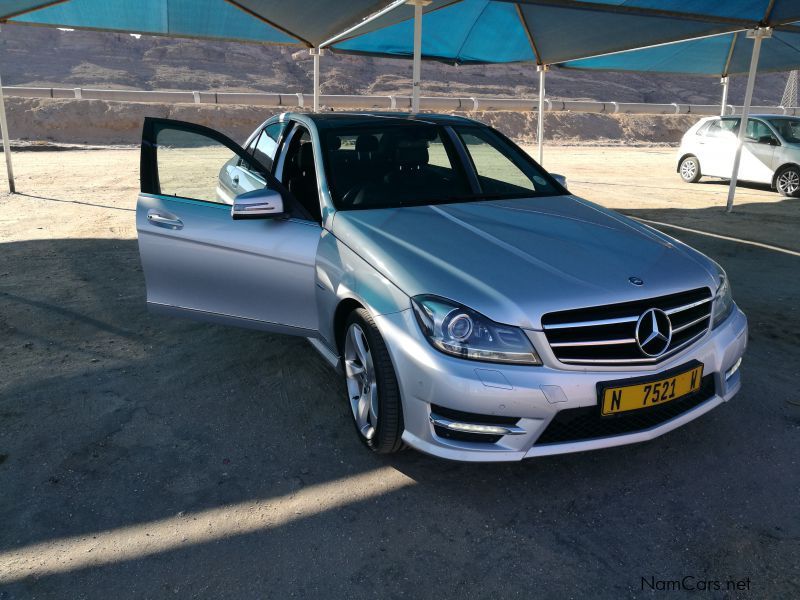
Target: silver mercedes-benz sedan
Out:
[475,309]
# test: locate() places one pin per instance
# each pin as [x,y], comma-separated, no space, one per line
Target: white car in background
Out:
[770,154]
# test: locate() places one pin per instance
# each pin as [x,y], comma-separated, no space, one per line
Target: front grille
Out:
[606,335]
[585,423]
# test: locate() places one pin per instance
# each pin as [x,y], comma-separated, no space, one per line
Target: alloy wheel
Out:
[362,385]
[688,169]
[789,182]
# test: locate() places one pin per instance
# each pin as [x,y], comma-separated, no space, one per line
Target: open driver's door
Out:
[201,263]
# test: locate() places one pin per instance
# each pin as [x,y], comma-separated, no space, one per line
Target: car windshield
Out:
[413,164]
[789,129]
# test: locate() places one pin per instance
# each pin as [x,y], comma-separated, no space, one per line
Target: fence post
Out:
[6,142]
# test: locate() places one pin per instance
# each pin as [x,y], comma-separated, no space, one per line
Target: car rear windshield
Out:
[413,164]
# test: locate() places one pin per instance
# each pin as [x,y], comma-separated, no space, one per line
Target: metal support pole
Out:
[724,81]
[316,53]
[540,124]
[416,75]
[757,36]
[6,141]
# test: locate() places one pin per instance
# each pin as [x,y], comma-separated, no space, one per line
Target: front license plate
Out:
[623,398]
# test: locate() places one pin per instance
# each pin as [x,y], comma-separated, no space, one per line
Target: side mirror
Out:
[562,179]
[258,204]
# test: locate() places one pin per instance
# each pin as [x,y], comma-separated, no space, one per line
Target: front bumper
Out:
[535,394]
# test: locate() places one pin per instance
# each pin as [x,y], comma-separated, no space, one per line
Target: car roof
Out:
[327,120]
[758,116]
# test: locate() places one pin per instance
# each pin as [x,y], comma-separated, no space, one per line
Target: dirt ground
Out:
[142,456]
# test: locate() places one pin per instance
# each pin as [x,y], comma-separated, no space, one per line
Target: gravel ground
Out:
[142,456]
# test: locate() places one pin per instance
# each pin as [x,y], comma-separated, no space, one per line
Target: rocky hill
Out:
[48,57]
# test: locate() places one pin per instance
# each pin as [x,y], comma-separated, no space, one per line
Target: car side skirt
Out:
[222,319]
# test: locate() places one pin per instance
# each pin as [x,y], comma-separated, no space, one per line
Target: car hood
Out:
[516,260]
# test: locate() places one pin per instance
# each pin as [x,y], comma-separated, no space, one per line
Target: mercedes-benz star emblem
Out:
[653,332]
[636,280]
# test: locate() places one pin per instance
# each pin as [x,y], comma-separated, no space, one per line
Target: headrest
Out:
[412,152]
[334,143]
[305,159]
[366,143]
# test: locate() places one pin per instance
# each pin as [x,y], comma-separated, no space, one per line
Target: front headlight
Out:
[723,302]
[457,330]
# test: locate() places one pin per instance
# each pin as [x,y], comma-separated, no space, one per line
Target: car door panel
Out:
[199,261]
[757,162]
[720,151]
[718,148]
[758,158]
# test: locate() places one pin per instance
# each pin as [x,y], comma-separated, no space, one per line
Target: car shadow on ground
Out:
[747,185]
[773,223]
[121,426]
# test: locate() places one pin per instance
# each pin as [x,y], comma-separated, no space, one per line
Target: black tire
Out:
[689,169]
[787,181]
[386,435]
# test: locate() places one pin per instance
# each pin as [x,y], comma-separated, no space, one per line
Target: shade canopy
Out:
[459,31]
[727,54]
[308,23]
[555,31]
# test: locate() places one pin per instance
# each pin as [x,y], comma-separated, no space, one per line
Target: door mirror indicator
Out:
[561,179]
[258,204]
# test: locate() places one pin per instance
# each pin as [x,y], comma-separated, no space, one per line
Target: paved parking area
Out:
[142,456]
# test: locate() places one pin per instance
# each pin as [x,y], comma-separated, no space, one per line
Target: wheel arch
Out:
[778,172]
[683,158]
[343,310]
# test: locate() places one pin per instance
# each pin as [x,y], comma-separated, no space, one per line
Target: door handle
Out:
[235,180]
[160,220]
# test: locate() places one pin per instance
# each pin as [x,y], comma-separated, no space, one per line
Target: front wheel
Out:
[787,181]
[372,389]
[690,169]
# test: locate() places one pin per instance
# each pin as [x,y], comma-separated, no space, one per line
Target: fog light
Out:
[729,373]
[475,428]
[479,428]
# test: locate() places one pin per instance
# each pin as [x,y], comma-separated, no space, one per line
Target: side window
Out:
[191,164]
[713,129]
[249,149]
[757,130]
[723,128]
[729,126]
[703,130]
[267,144]
[499,172]
[252,145]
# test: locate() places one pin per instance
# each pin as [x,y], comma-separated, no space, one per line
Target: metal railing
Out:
[390,102]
